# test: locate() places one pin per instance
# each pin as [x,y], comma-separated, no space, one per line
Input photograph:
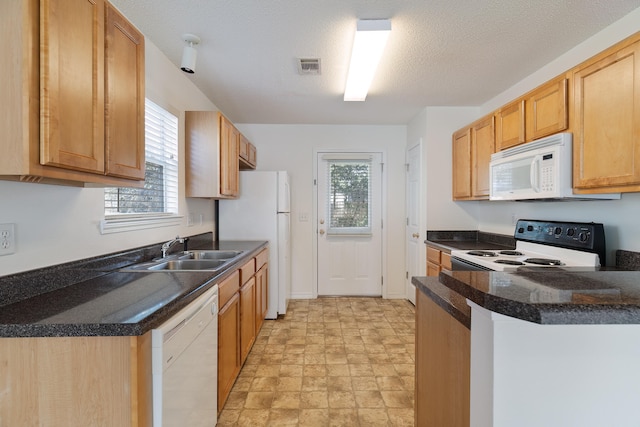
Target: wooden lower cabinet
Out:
[443,351]
[247,317]
[75,381]
[437,261]
[240,319]
[228,348]
[262,296]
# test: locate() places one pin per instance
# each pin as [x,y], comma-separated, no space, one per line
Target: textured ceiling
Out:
[440,52]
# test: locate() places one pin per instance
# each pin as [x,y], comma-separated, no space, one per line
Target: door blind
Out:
[349,198]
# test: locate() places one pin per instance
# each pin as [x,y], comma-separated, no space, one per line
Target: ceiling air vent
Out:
[307,66]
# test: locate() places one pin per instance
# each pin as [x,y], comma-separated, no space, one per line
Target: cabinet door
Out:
[432,269]
[546,110]
[228,348]
[124,93]
[229,141]
[510,126]
[443,367]
[72,84]
[262,295]
[482,147]
[253,158]
[607,121]
[461,152]
[244,148]
[247,317]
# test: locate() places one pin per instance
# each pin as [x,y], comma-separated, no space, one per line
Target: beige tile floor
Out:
[329,362]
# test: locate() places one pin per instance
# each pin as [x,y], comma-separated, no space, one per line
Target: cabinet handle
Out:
[416,235]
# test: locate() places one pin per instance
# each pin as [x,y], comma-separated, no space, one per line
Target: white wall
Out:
[291,148]
[436,124]
[56,224]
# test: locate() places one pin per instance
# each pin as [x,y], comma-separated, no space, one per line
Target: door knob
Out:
[321,232]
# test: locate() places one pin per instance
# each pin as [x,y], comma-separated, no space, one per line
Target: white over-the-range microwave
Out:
[537,170]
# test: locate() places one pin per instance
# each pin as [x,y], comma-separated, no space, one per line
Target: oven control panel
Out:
[584,236]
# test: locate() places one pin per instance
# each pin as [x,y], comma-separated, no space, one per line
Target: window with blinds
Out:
[349,198]
[160,192]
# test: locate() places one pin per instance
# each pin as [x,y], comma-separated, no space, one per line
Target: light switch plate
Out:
[7,239]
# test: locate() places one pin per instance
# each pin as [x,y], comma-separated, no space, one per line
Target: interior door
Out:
[349,224]
[413,219]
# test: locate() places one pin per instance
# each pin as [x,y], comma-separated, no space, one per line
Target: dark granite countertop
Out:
[552,296]
[93,298]
[468,240]
[450,301]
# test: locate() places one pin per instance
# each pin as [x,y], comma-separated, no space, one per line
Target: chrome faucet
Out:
[166,246]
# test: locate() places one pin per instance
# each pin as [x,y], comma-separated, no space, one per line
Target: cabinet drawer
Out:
[433,255]
[228,288]
[262,258]
[247,270]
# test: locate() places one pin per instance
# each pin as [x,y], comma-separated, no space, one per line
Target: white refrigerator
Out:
[262,212]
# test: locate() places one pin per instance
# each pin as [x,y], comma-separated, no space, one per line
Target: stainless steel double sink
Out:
[210,260]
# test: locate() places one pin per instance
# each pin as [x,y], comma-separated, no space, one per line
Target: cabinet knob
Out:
[321,232]
[416,235]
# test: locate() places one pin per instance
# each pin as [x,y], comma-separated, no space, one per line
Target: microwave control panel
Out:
[546,174]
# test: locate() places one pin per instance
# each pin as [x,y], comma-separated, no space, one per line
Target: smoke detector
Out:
[309,66]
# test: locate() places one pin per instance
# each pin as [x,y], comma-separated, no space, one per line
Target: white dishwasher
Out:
[185,365]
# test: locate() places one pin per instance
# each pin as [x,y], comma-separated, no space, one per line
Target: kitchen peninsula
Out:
[552,347]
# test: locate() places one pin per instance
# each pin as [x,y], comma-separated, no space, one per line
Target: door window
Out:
[348,201]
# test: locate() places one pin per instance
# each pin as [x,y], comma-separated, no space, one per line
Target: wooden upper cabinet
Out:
[124,93]
[510,125]
[482,147]
[247,155]
[472,149]
[542,112]
[72,84]
[547,110]
[229,167]
[211,160]
[73,97]
[606,121]
[461,151]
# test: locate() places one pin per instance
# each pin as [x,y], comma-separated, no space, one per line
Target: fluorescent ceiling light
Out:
[368,45]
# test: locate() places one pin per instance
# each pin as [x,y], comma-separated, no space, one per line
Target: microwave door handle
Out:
[534,176]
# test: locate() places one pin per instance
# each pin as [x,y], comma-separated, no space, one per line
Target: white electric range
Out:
[540,244]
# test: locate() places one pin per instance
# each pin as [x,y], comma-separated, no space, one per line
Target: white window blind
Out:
[349,198]
[155,204]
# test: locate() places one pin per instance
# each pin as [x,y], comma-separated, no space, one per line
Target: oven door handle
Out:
[459,264]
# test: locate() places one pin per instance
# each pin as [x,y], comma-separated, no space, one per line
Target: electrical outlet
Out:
[7,239]
[514,218]
[190,219]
